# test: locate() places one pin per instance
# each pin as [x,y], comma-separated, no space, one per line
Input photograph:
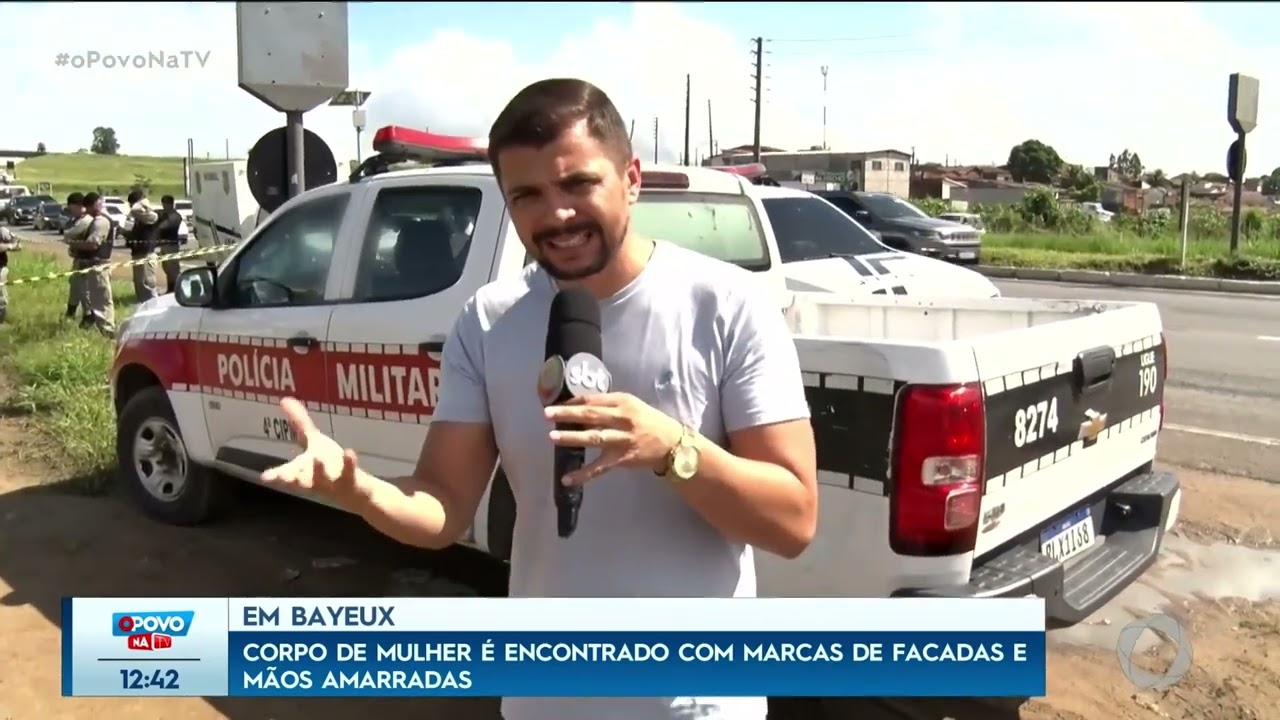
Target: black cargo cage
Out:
[380,163]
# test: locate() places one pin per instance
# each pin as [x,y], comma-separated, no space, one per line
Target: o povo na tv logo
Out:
[1169,632]
[151,630]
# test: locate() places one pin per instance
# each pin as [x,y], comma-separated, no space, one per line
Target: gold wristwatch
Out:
[682,460]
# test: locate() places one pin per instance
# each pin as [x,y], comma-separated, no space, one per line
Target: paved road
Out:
[1223,395]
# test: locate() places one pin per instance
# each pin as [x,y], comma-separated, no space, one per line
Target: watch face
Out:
[684,462]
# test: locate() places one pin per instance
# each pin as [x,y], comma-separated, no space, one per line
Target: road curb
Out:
[1162,282]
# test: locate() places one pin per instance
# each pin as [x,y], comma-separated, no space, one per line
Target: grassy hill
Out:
[107,174]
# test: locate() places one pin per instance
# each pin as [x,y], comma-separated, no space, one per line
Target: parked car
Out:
[51,216]
[965,447]
[903,226]
[973,220]
[9,192]
[22,210]
[1096,210]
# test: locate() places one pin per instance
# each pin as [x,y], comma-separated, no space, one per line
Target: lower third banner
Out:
[400,647]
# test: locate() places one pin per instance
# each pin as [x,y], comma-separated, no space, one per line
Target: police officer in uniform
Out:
[142,242]
[7,243]
[169,241]
[75,283]
[90,240]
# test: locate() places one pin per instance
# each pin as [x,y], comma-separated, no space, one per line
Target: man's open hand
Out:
[322,467]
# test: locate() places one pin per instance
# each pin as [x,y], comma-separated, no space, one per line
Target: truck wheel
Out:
[153,460]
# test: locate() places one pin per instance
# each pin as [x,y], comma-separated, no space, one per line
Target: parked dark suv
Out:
[903,226]
[22,209]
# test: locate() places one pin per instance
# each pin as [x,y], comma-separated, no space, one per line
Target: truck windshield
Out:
[809,229]
[723,226]
[888,207]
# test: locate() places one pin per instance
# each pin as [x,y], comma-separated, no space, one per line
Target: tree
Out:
[1033,161]
[1271,183]
[1127,164]
[104,141]
[40,149]
[1080,183]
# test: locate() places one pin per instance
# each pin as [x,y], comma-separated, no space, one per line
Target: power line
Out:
[851,53]
[838,40]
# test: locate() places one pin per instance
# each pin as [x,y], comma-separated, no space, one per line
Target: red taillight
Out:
[1164,376]
[938,469]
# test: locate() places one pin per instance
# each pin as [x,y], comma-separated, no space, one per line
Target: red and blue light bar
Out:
[749,171]
[428,146]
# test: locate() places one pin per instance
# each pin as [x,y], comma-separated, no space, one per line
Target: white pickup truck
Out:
[971,447]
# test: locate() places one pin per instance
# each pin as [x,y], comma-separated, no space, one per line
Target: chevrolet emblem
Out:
[1090,429]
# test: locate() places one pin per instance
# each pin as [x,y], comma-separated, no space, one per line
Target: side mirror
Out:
[196,287]
[862,216]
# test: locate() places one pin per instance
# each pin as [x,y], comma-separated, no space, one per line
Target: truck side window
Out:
[288,262]
[418,242]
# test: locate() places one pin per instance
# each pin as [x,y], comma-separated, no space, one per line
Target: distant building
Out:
[876,171]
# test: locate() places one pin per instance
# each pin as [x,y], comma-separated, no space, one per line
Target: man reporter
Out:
[695,468]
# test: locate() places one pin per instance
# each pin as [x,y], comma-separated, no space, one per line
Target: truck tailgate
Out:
[1071,407]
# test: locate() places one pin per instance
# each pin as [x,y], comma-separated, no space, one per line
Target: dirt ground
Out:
[55,542]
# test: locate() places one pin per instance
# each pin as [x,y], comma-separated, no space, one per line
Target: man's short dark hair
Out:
[75,198]
[166,200]
[91,198]
[135,196]
[541,112]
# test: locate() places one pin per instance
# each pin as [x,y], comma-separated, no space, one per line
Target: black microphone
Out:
[573,369]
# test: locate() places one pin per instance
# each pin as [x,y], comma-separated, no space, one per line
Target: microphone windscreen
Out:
[574,324]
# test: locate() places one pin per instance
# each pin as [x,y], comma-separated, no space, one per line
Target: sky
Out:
[958,82]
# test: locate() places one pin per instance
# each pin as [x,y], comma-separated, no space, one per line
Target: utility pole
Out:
[688,98]
[632,132]
[759,78]
[824,107]
[711,136]
[655,139]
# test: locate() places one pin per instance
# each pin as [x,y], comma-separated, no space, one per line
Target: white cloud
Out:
[1090,79]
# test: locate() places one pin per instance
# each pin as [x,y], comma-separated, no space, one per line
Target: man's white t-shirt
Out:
[696,338]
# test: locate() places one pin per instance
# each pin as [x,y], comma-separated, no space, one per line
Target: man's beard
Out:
[605,250]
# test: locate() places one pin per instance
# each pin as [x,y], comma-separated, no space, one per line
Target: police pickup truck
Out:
[966,447]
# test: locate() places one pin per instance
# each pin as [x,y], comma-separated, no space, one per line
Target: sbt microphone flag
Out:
[443,647]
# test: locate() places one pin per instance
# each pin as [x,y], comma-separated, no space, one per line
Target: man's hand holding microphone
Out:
[581,409]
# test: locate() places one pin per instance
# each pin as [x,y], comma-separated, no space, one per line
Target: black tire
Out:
[200,495]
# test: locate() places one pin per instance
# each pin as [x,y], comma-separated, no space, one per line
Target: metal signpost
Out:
[293,57]
[1242,115]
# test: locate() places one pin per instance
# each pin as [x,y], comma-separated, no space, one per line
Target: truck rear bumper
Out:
[1132,520]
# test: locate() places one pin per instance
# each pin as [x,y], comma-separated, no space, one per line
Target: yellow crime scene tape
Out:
[152,258]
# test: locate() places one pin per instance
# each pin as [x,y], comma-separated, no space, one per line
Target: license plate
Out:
[1069,536]
[967,256]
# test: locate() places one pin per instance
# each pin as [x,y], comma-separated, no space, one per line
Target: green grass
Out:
[59,371]
[1258,259]
[106,174]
